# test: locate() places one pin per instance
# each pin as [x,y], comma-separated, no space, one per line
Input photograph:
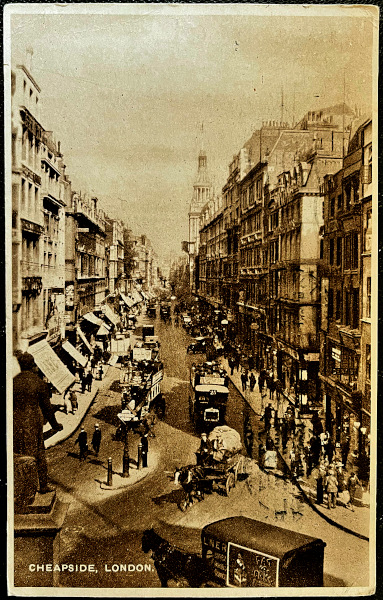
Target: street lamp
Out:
[125,417]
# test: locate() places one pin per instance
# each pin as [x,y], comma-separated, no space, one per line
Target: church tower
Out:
[201,195]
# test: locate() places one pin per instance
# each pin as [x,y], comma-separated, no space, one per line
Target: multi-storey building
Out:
[345,368]
[27,217]
[90,253]
[114,243]
[212,247]
[53,239]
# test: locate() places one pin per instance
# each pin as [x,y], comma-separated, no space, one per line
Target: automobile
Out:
[198,346]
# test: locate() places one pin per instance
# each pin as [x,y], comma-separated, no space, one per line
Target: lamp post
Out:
[125,417]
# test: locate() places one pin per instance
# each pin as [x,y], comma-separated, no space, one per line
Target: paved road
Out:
[105,527]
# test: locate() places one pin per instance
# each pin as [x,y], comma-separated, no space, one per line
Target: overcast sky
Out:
[126,94]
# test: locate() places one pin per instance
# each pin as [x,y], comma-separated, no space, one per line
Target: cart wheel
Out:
[230,483]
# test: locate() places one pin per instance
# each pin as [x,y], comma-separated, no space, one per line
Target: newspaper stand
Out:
[242,552]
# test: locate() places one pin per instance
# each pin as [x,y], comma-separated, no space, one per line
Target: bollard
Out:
[139,459]
[110,473]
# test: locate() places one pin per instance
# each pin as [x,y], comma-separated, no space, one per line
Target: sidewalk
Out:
[71,422]
[356,522]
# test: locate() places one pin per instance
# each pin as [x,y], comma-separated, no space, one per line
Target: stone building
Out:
[114,244]
[345,367]
[211,252]
[89,253]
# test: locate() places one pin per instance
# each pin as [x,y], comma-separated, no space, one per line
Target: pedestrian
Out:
[252,381]
[293,461]
[231,365]
[345,448]
[144,450]
[99,372]
[284,434]
[330,450]
[83,383]
[244,380]
[319,474]
[31,407]
[81,373]
[82,441]
[237,361]
[67,403]
[73,399]
[250,362]
[352,484]
[96,439]
[331,488]
[268,415]
[89,381]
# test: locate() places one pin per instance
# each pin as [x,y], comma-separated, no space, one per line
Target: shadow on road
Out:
[108,414]
[173,497]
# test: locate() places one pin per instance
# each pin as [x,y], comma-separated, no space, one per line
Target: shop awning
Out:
[83,338]
[104,329]
[49,363]
[92,318]
[80,358]
[110,314]
[145,295]
[128,301]
[113,360]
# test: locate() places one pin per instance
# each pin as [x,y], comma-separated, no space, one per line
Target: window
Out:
[339,202]
[338,308]
[321,248]
[351,251]
[332,206]
[331,251]
[368,294]
[368,362]
[355,309]
[330,303]
[339,251]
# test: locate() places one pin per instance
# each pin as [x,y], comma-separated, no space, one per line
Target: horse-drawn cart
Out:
[217,470]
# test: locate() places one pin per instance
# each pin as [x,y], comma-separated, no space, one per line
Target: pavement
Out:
[71,423]
[357,522]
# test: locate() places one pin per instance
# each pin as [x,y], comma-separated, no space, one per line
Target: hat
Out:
[96,425]
[203,434]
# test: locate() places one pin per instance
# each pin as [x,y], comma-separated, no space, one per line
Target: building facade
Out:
[114,244]
[345,368]
[90,257]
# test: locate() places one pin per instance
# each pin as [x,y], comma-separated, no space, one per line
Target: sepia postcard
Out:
[191,299]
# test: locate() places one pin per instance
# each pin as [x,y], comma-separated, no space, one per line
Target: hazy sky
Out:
[126,94]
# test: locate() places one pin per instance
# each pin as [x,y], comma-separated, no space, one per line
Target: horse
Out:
[175,567]
[192,480]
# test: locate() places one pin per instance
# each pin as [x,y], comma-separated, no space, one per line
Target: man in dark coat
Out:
[252,381]
[82,441]
[31,405]
[89,381]
[96,439]
[144,450]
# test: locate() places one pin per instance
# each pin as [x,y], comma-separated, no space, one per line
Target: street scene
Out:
[191,384]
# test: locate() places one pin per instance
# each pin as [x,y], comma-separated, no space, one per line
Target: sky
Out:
[126,94]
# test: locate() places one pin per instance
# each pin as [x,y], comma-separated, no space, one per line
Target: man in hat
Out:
[31,406]
[96,439]
[203,450]
[82,441]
